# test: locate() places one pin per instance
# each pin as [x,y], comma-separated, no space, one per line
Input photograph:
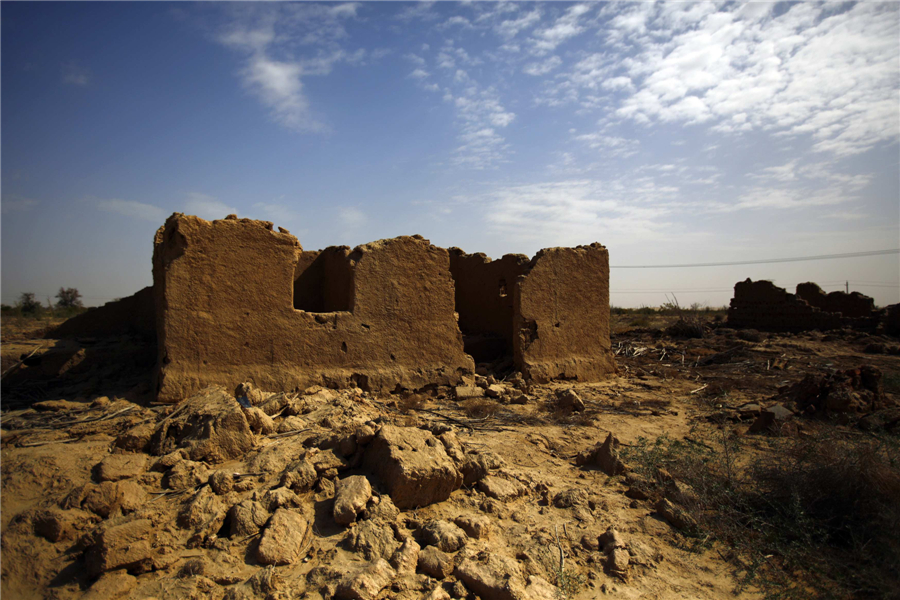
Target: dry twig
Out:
[287,433]
[47,443]
[32,353]
[562,556]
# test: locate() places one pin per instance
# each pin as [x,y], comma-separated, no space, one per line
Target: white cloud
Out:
[617,83]
[207,207]
[785,172]
[822,70]
[481,114]
[352,218]
[543,67]
[845,216]
[346,9]
[278,86]
[576,212]
[18,204]
[418,10]
[267,35]
[276,212]
[567,26]
[75,74]
[783,199]
[511,27]
[415,59]
[419,74]
[457,20]
[823,172]
[610,145]
[134,209]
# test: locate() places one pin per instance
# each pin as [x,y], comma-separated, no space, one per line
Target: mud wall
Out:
[852,305]
[561,315]
[134,315]
[484,301]
[224,294]
[764,306]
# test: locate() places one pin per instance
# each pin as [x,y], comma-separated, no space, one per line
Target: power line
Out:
[666,291]
[762,261]
[702,290]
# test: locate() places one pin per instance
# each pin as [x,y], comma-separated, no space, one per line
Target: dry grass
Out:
[816,517]
[693,320]
[27,328]
[411,402]
[480,408]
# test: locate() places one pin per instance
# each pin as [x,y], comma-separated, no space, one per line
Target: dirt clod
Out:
[284,539]
[352,495]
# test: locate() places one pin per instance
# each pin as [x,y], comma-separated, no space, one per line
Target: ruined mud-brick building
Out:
[550,314]
[853,305]
[764,306]
[237,301]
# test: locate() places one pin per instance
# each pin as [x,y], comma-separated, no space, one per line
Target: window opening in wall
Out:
[324,282]
[503,288]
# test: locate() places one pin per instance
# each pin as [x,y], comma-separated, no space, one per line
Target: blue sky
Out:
[670,132]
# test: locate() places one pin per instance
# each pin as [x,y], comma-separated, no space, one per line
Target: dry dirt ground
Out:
[97,501]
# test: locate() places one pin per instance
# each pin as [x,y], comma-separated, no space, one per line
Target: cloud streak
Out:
[75,74]
[269,38]
[133,209]
[17,204]
[207,207]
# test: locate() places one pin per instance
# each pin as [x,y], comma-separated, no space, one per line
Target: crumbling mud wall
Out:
[853,305]
[550,315]
[134,315]
[561,315]
[484,301]
[764,306]
[379,316]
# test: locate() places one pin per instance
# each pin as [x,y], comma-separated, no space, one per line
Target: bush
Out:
[480,408]
[690,326]
[28,305]
[68,298]
[812,517]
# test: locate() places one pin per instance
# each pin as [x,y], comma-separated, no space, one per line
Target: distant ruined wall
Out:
[764,306]
[852,305]
[561,315]
[225,296]
[484,301]
[134,315]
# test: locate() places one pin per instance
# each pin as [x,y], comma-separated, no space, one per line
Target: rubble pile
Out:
[859,390]
[313,495]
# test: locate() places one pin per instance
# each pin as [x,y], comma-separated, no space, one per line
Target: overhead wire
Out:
[763,261]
